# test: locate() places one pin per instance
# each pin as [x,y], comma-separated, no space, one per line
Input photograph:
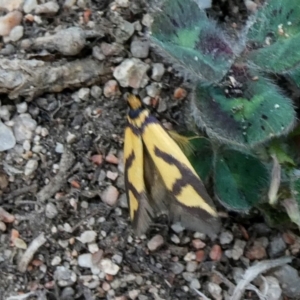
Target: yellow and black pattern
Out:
[158,176]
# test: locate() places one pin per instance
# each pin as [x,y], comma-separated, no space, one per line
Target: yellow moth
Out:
[160,179]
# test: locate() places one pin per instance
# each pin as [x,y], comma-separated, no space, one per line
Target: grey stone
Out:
[7,138]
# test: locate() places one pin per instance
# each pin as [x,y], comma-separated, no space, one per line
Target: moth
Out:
[160,179]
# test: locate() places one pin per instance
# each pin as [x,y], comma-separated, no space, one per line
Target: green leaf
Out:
[259,113]
[281,153]
[201,158]
[239,179]
[294,76]
[184,35]
[275,36]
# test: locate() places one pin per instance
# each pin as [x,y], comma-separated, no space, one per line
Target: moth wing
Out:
[187,198]
[139,205]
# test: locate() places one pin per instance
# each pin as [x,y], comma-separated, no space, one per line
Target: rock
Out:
[49,7]
[122,3]
[55,261]
[84,94]
[108,267]
[16,33]
[276,247]
[30,167]
[188,276]
[158,71]
[226,237]
[96,91]
[190,256]
[200,256]
[198,244]
[64,276]
[4,112]
[97,53]
[257,251]
[24,127]
[22,107]
[29,6]
[155,242]
[51,211]
[177,227]
[238,249]
[5,216]
[140,48]
[270,288]
[93,248]
[2,226]
[195,284]
[176,268]
[9,21]
[216,253]
[110,195]
[147,20]
[68,41]
[132,72]
[11,5]
[123,31]
[7,138]
[85,260]
[111,49]
[289,280]
[117,258]
[191,266]
[111,89]
[112,175]
[179,93]
[88,236]
[215,290]
[59,148]
[153,90]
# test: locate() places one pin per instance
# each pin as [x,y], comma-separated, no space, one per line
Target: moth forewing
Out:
[140,209]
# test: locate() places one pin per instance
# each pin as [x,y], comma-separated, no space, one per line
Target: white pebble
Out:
[56,261]
[22,107]
[16,33]
[26,145]
[59,148]
[88,236]
[30,167]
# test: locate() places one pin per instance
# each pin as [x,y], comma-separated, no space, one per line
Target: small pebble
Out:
[51,211]
[177,227]
[132,72]
[84,94]
[108,267]
[257,251]
[133,294]
[215,290]
[238,249]
[117,258]
[155,242]
[198,244]
[158,71]
[16,33]
[190,256]
[110,195]
[71,138]
[88,236]
[85,260]
[4,112]
[24,127]
[55,261]
[96,91]
[30,167]
[122,3]
[226,237]
[215,253]
[111,89]
[175,239]
[59,148]
[9,21]
[93,248]
[276,247]
[200,256]
[7,138]
[29,6]
[140,48]
[112,175]
[179,93]
[22,107]
[191,266]
[195,284]
[2,226]
[49,7]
